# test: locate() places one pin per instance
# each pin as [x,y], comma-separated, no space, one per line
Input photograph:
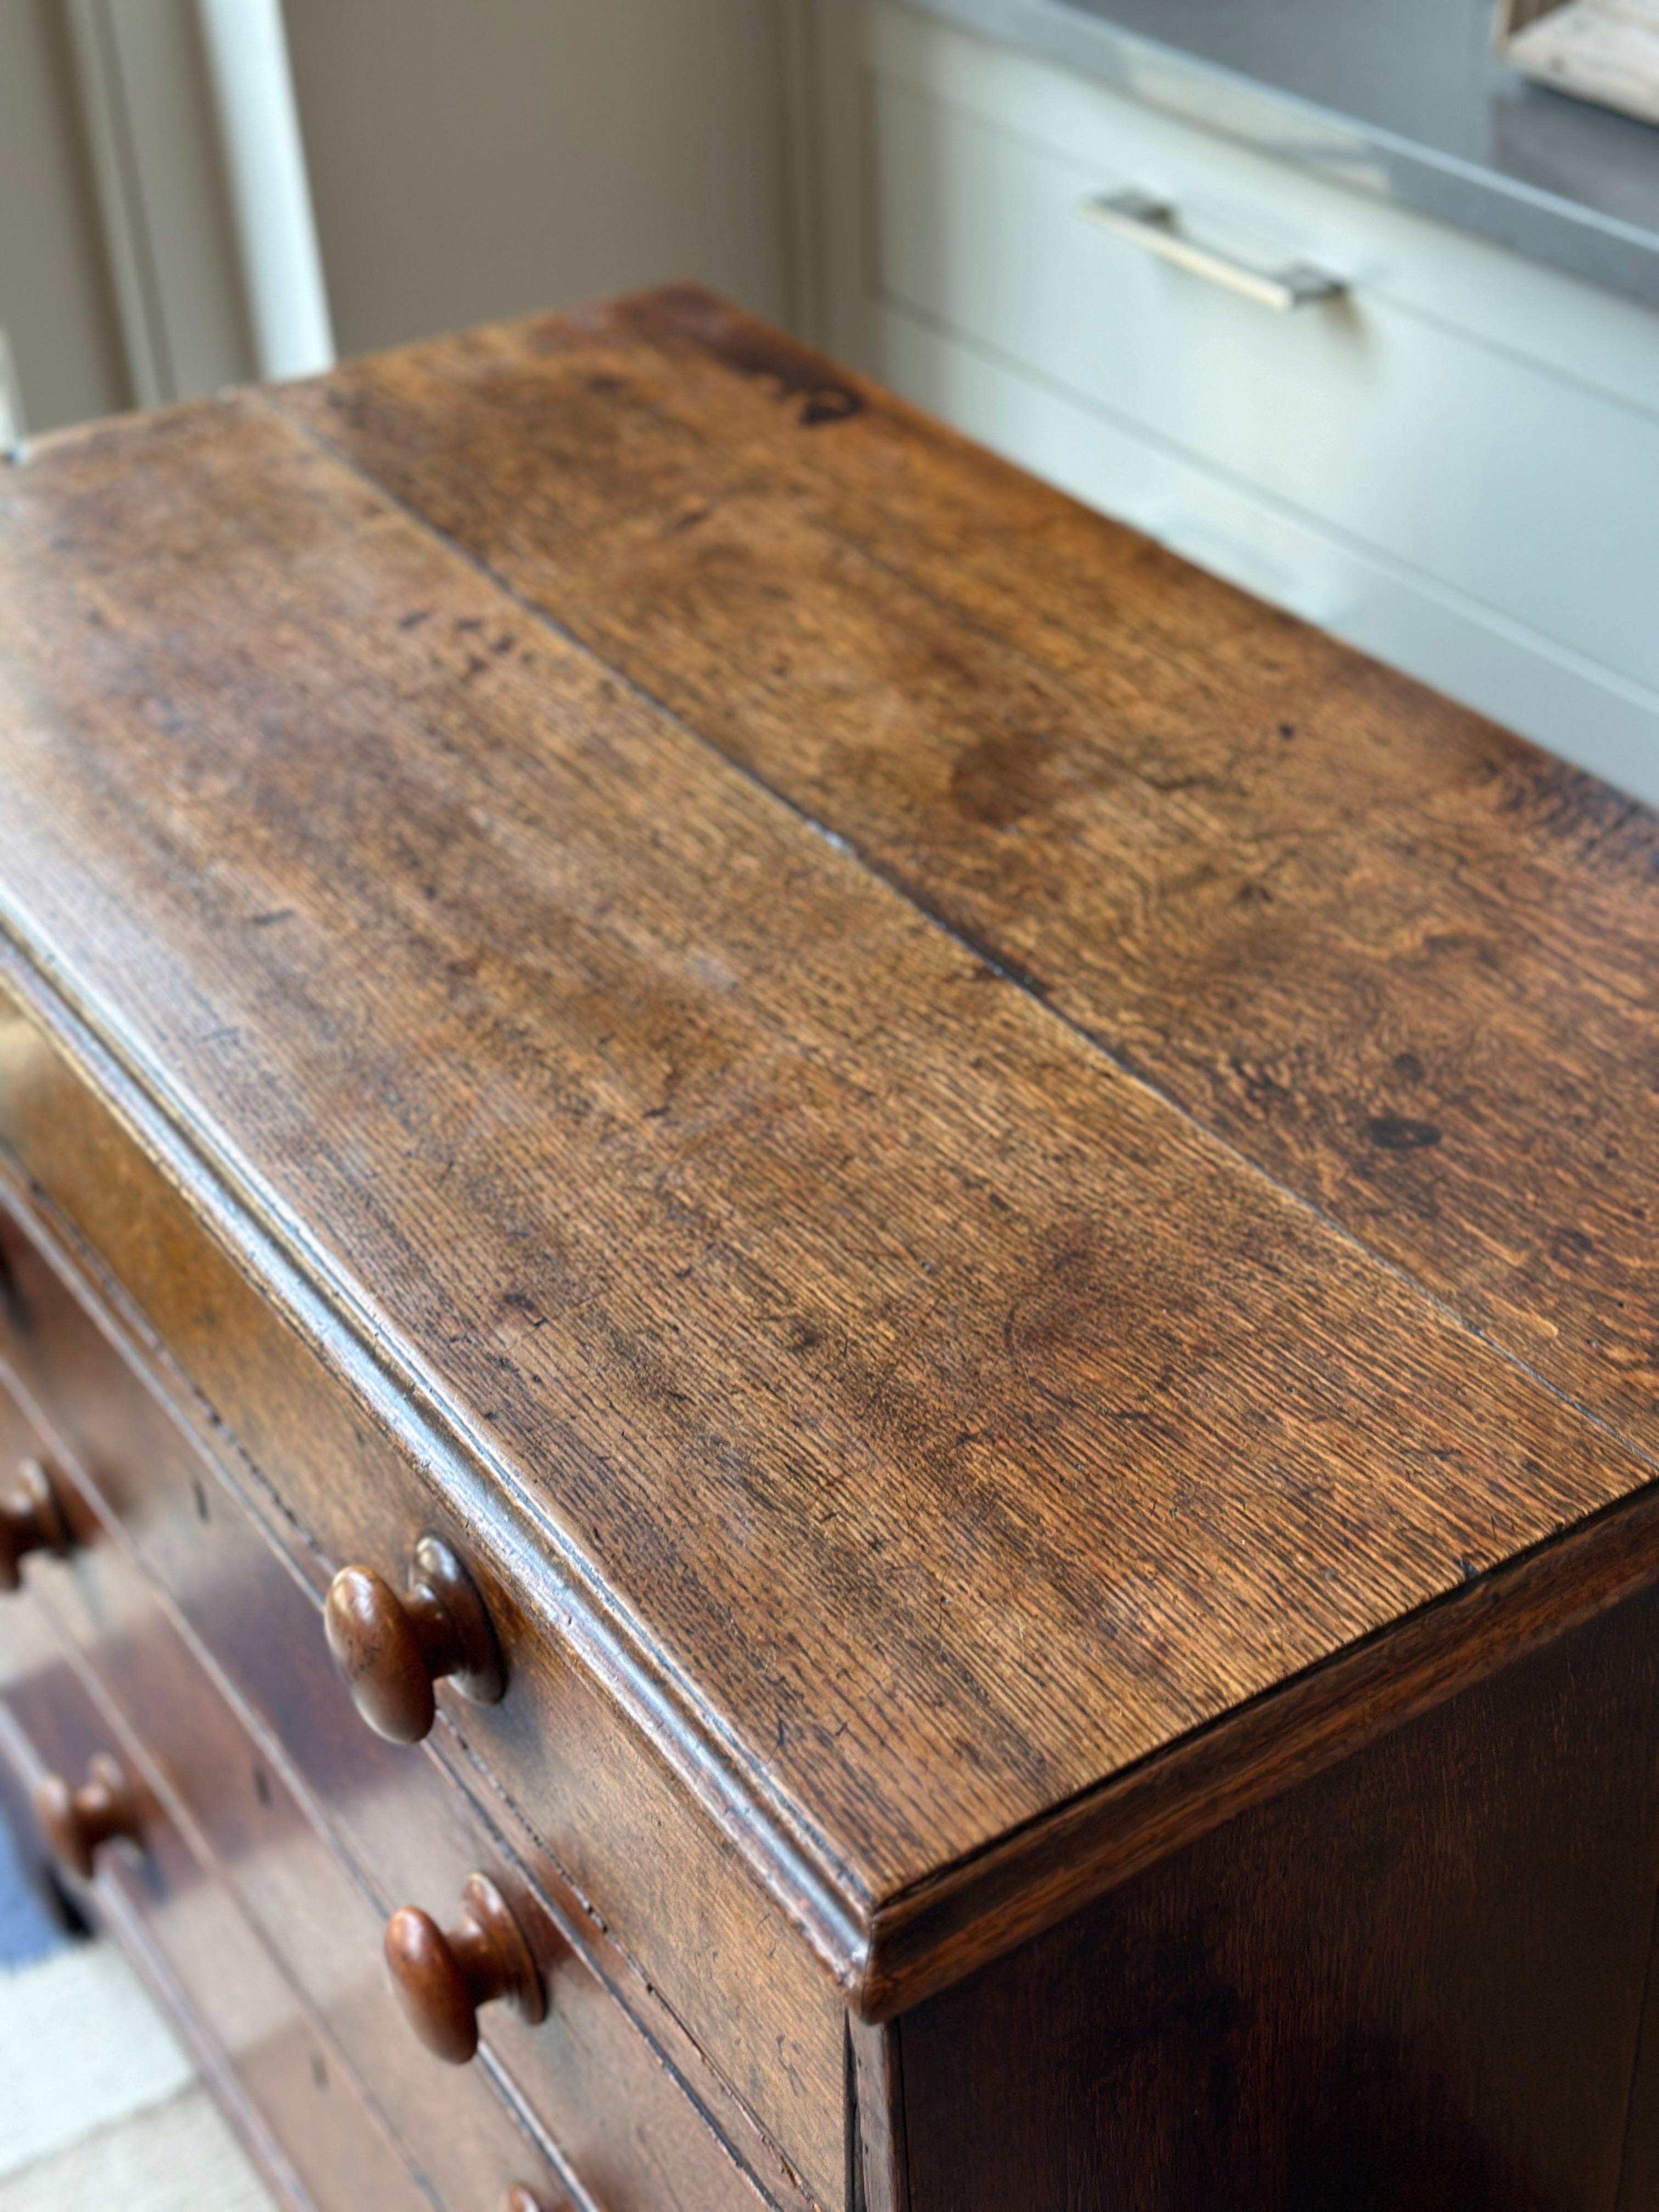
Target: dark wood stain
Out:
[1638,2180]
[786,370]
[1411,1986]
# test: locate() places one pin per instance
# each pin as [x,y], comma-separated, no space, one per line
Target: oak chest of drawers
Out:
[926,1248]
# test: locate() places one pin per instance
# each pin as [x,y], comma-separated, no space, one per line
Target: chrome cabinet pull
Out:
[1153,224]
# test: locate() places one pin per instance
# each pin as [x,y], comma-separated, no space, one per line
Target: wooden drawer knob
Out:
[390,1649]
[520,2199]
[76,1822]
[31,1520]
[443,1978]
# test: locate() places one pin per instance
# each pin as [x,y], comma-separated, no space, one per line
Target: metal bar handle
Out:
[1153,224]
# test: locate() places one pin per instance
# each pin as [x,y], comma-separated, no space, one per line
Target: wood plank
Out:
[949,1422]
[926,1939]
[876,2119]
[1400,958]
[1639,2176]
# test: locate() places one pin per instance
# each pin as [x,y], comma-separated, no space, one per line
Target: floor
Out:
[99,2106]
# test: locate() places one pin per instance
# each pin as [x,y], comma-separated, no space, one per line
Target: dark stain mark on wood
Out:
[826,392]
[1396,1133]
[1003,779]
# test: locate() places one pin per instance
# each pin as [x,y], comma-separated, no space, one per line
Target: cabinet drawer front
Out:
[317,1465]
[247,1824]
[295,2105]
[1452,457]
[1574,328]
[588,2074]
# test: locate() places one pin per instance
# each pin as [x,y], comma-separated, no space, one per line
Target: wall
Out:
[468,158]
[56,304]
[472,159]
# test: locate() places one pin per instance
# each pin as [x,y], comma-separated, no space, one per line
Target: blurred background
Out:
[189,197]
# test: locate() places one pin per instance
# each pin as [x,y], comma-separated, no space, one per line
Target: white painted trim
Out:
[109,139]
[247,59]
[200,169]
[13,425]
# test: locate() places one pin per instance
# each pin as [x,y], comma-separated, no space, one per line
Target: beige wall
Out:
[56,304]
[468,158]
[478,158]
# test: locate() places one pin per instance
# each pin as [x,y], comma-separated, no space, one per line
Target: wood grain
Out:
[1638,2178]
[1399,957]
[876,2121]
[944,1415]
[1412,1985]
[942,1929]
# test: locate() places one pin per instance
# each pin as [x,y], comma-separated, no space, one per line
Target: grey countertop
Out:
[1402,98]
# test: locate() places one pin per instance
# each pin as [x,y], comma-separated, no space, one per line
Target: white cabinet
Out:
[1454,464]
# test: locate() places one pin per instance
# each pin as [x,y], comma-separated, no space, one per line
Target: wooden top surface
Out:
[948,1414]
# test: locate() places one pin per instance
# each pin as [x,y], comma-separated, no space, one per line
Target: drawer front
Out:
[244,1823]
[330,1485]
[295,2105]
[1454,457]
[1575,328]
[588,2074]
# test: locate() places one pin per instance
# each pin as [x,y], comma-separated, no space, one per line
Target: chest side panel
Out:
[1412,1983]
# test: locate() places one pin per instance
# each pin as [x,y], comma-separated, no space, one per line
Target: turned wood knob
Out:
[390,1649]
[443,1978]
[76,1822]
[520,2199]
[31,1520]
